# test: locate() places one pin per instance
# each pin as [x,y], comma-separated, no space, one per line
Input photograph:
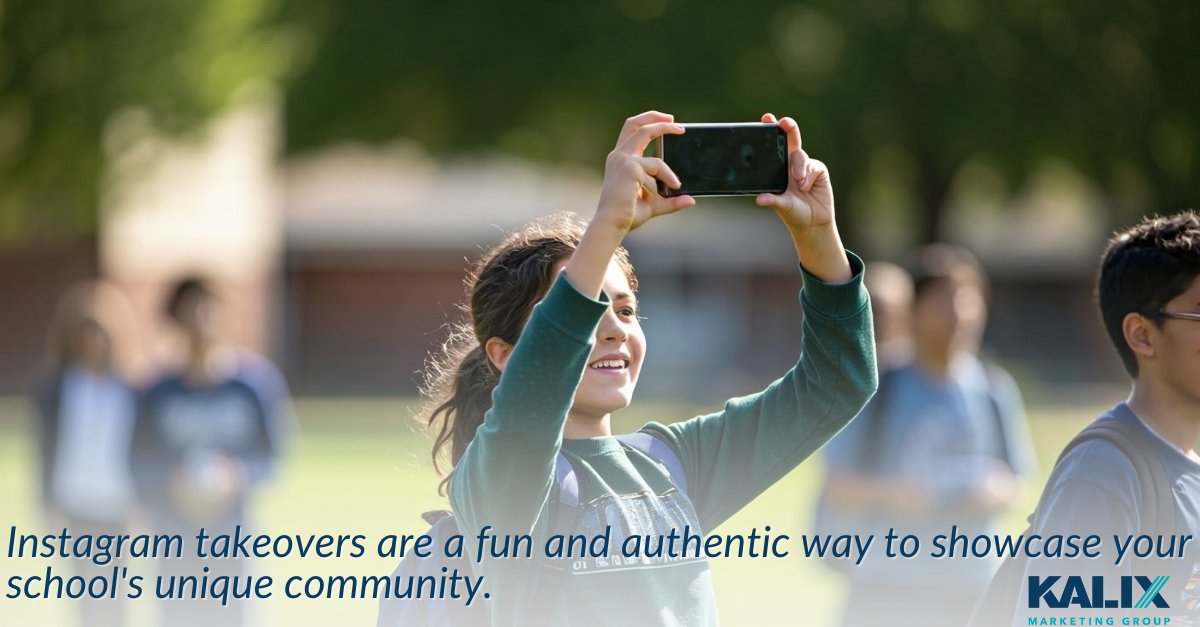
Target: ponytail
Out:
[467,400]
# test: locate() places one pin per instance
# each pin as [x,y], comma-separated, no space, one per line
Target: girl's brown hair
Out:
[502,288]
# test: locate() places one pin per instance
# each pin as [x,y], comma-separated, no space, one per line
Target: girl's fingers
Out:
[799,165]
[637,141]
[816,170]
[663,206]
[795,144]
[649,185]
[660,170]
[648,192]
[792,130]
[634,123]
[774,201]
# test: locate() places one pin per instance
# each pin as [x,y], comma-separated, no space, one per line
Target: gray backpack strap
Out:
[657,448]
[992,378]
[394,612]
[565,502]
[995,608]
[564,505]
[564,497]
[566,482]
[1157,511]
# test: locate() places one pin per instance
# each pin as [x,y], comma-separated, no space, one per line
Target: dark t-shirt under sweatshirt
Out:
[505,479]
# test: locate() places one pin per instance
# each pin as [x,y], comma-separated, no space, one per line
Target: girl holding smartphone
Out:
[554,347]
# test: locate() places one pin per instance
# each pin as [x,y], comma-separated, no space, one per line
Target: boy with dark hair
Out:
[1149,294]
[186,293]
[205,438]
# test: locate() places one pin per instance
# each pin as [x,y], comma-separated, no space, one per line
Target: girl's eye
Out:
[628,312]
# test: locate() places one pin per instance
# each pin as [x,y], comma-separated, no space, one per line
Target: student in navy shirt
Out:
[205,438]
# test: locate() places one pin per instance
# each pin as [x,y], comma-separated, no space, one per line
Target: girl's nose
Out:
[611,329]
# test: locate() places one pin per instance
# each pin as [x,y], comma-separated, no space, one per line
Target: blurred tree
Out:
[892,93]
[904,91]
[67,66]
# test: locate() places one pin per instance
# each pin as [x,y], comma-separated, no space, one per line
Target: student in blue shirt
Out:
[86,411]
[942,445]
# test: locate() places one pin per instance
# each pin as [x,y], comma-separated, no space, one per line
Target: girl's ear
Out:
[1138,334]
[498,352]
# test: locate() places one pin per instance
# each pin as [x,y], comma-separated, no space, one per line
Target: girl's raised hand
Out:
[629,196]
[808,200]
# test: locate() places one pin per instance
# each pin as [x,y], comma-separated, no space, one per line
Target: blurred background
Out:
[335,166]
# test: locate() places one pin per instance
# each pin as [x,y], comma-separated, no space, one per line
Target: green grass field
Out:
[361,467]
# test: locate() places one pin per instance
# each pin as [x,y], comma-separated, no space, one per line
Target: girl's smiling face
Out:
[616,359]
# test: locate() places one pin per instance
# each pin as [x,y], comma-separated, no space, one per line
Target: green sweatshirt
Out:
[506,477]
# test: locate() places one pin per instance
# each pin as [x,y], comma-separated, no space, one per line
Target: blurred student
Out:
[943,444]
[86,414]
[206,437]
[891,290]
[1147,480]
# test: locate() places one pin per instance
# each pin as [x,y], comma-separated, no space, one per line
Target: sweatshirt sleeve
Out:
[506,473]
[732,456]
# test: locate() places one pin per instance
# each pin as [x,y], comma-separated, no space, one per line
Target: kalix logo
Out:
[1075,593]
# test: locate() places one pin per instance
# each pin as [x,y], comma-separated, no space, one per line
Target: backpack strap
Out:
[433,516]
[991,378]
[1157,512]
[656,447]
[455,614]
[564,500]
[395,612]
[566,477]
[566,482]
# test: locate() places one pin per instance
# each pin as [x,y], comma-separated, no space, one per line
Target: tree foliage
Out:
[916,87]
[903,90]
[68,66]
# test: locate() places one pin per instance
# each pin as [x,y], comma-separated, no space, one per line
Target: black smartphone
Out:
[726,159]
